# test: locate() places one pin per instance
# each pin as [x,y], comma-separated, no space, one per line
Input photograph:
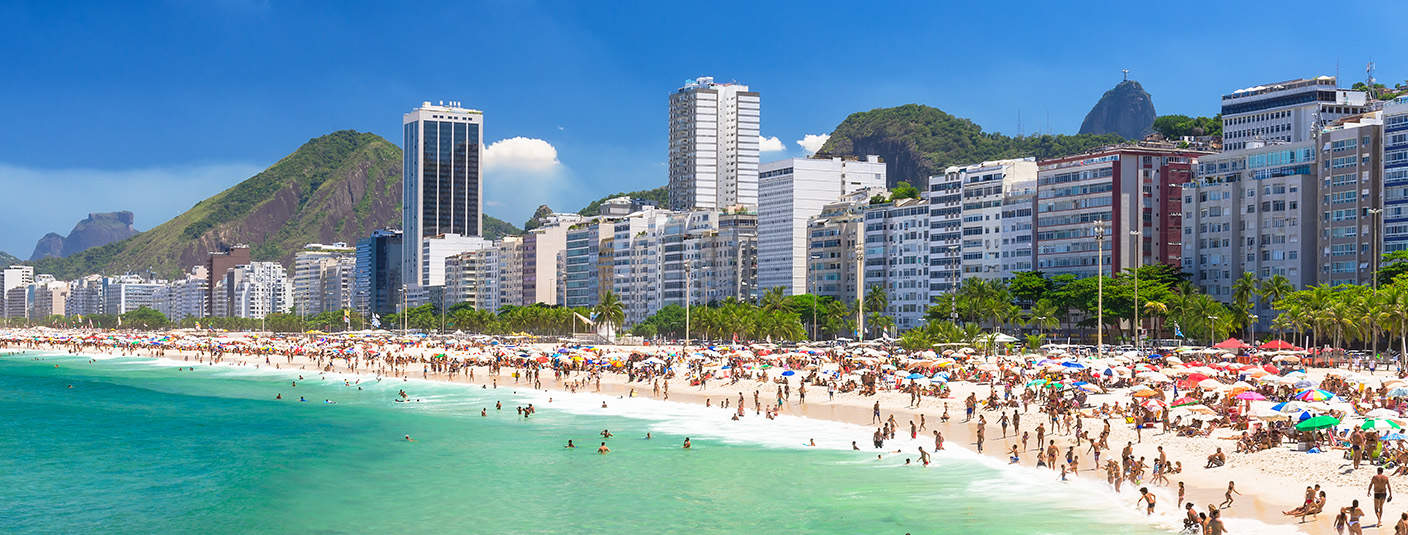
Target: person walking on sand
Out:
[1380,489]
[1231,489]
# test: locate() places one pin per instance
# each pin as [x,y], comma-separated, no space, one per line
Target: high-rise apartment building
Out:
[709,256]
[544,250]
[217,263]
[47,297]
[792,191]
[1395,174]
[1350,198]
[835,241]
[1289,112]
[714,140]
[441,186]
[897,258]
[1251,210]
[11,278]
[323,278]
[130,292]
[255,290]
[468,278]
[945,230]
[997,217]
[377,284]
[1134,191]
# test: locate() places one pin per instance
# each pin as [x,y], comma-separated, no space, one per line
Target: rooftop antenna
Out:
[1126,74]
[1369,73]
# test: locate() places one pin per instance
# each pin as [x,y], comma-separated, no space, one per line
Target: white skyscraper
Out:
[713,145]
[792,191]
[441,190]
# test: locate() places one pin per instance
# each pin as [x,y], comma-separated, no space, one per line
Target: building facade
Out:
[1285,112]
[1133,191]
[323,278]
[442,190]
[1350,199]
[1251,210]
[377,275]
[791,192]
[1395,175]
[998,202]
[945,197]
[896,255]
[714,136]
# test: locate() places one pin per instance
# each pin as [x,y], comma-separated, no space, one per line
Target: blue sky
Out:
[154,106]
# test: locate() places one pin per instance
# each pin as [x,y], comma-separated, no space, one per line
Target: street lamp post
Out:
[811,289]
[1138,262]
[860,282]
[1254,319]
[685,349]
[1099,230]
[1212,330]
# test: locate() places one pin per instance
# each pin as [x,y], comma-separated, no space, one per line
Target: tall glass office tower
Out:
[441,190]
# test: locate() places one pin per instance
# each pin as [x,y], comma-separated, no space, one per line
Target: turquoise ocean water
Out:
[137,446]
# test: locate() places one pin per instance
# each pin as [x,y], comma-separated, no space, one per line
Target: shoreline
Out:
[1262,500]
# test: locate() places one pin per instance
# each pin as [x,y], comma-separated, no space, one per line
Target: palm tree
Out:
[1243,290]
[610,310]
[1275,289]
[1044,315]
[1156,311]
[773,299]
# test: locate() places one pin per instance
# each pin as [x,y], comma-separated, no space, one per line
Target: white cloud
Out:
[61,197]
[813,142]
[520,173]
[770,144]
[521,154]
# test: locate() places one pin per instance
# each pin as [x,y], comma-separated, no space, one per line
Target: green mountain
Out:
[338,187]
[918,141]
[495,228]
[7,259]
[660,195]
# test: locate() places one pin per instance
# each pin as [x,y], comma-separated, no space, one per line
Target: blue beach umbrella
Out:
[915,376]
[1394,436]
[789,372]
[1075,365]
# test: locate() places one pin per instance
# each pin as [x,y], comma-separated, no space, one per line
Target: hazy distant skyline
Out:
[151,107]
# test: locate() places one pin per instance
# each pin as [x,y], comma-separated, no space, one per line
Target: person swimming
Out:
[409,439]
[570,444]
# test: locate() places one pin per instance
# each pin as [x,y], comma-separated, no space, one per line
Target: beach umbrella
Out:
[1378,424]
[1250,396]
[790,373]
[1209,384]
[1153,376]
[1288,406]
[1184,401]
[1317,422]
[1144,393]
[1302,384]
[915,376]
[1152,404]
[1315,395]
[1382,413]
[1073,365]
[1399,392]
[1394,436]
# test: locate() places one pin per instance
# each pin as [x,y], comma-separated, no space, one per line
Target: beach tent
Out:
[1231,343]
[1279,345]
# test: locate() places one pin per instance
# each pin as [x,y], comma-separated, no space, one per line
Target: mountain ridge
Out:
[99,228]
[918,141]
